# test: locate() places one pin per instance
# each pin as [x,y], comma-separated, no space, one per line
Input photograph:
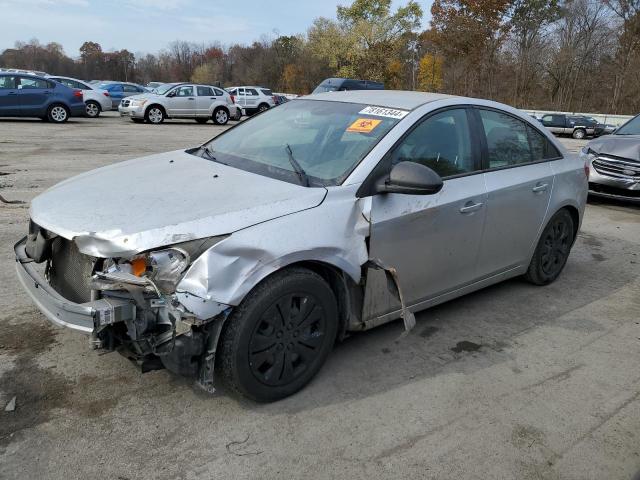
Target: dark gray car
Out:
[614,162]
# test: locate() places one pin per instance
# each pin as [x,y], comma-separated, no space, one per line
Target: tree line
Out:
[573,55]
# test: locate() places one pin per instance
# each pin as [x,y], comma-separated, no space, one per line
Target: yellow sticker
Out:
[364,125]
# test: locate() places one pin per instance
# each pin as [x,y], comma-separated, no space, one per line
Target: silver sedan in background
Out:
[330,214]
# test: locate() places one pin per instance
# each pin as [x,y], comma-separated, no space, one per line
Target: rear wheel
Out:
[202,120]
[553,249]
[154,114]
[220,116]
[579,133]
[93,109]
[57,113]
[280,336]
[263,107]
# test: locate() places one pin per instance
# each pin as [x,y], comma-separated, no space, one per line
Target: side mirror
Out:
[410,178]
[171,94]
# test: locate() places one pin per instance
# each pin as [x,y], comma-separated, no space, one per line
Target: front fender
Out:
[334,233]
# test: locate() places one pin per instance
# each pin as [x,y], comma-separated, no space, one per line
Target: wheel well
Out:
[220,107]
[575,216]
[265,104]
[58,104]
[348,294]
[94,101]
[156,105]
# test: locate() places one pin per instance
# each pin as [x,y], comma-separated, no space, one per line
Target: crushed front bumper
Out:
[82,317]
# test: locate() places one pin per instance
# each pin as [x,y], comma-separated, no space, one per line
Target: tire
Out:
[154,114]
[238,115]
[93,109]
[202,120]
[553,249]
[579,133]
[263,107]
[57,113]
[263,354]
[220,116]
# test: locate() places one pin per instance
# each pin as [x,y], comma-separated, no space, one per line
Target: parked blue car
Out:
[24,95]
[119,90]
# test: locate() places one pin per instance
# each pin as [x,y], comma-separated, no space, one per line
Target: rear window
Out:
[266,91]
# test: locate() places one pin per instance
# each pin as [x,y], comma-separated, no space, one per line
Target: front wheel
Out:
[279,337]
[220,116]
[58,114]
[553,249]
[154,115]
[92,109]
[579,134]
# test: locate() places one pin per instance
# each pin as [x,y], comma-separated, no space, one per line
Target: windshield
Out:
[317,142]
[325,88]
[632,127]
[162,89]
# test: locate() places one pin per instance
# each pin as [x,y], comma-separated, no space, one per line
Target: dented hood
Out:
[625,146]
[154,201]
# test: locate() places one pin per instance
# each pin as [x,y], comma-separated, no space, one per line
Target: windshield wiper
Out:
[302,175]
[209,153]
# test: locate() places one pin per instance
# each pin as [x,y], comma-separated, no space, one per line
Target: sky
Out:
[150,25]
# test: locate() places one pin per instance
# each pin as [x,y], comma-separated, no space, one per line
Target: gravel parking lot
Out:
[514,381]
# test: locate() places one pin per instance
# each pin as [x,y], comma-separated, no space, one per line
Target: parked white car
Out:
[182,100]
[95,99]
[253,99]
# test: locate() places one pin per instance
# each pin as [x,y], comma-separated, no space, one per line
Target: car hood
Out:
[159,200]
[625,146]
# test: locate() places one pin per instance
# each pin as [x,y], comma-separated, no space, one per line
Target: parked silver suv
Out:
[330,214]
[253,99]
[182,100]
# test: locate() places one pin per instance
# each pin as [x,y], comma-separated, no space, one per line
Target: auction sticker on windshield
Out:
[384,112]
[363,125]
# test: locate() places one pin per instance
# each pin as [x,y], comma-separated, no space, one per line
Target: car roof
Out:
[405,100]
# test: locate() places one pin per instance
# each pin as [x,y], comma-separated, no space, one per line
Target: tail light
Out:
[586,169]
[233,98]
[274,100]
[106,94]
[77,93]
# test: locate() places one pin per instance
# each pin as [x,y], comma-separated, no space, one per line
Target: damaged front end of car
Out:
[131,304]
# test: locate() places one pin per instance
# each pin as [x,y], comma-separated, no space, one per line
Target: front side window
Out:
[326,139]
[7,82]
[184,91]
[507,139]
[441,142]
[205,91]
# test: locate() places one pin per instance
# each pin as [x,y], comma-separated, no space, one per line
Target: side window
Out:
[31,83]
[547,120]
[184,91]
[218,92]
[441,142]
[541,147]
[205,91]
[130,88]
[507,140]
[7,82]
[116,88]
[251,91]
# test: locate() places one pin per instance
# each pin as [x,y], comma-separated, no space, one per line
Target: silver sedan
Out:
[330,214]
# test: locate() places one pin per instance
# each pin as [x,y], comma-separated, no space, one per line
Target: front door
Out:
[519,183]
[431,240]
[9,101]
[183,103]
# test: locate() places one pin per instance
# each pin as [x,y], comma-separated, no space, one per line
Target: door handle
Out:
[190,98]
[540,188]
[471,207]
[48,92]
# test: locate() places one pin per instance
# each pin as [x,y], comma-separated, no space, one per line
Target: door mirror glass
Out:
[172,93]
[412,179]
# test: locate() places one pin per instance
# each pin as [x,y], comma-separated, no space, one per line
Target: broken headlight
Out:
[165,267]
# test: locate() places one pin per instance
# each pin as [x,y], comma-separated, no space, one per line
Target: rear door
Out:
[251,98]
[34,95]
[519,182]
[205,99]
[116,92]
[555,123]
[9,101]
[431,240]
[183,103]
